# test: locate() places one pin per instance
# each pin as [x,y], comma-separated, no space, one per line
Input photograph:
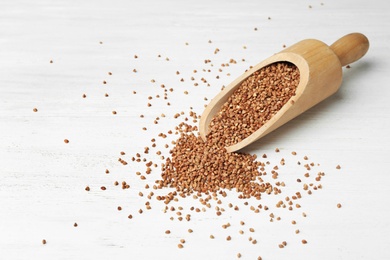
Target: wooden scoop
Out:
[320,68]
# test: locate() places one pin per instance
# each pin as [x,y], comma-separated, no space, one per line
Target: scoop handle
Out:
[350,47]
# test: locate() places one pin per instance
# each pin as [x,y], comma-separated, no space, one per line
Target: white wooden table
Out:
[42,179]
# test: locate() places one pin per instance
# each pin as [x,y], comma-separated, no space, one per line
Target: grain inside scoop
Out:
[320,69]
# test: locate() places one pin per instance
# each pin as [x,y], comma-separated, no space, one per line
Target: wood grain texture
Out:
[350,48]
[42,179]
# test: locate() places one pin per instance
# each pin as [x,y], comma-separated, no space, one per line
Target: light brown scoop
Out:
[320,68]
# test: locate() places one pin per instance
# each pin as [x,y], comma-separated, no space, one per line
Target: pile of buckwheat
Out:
[197,166]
